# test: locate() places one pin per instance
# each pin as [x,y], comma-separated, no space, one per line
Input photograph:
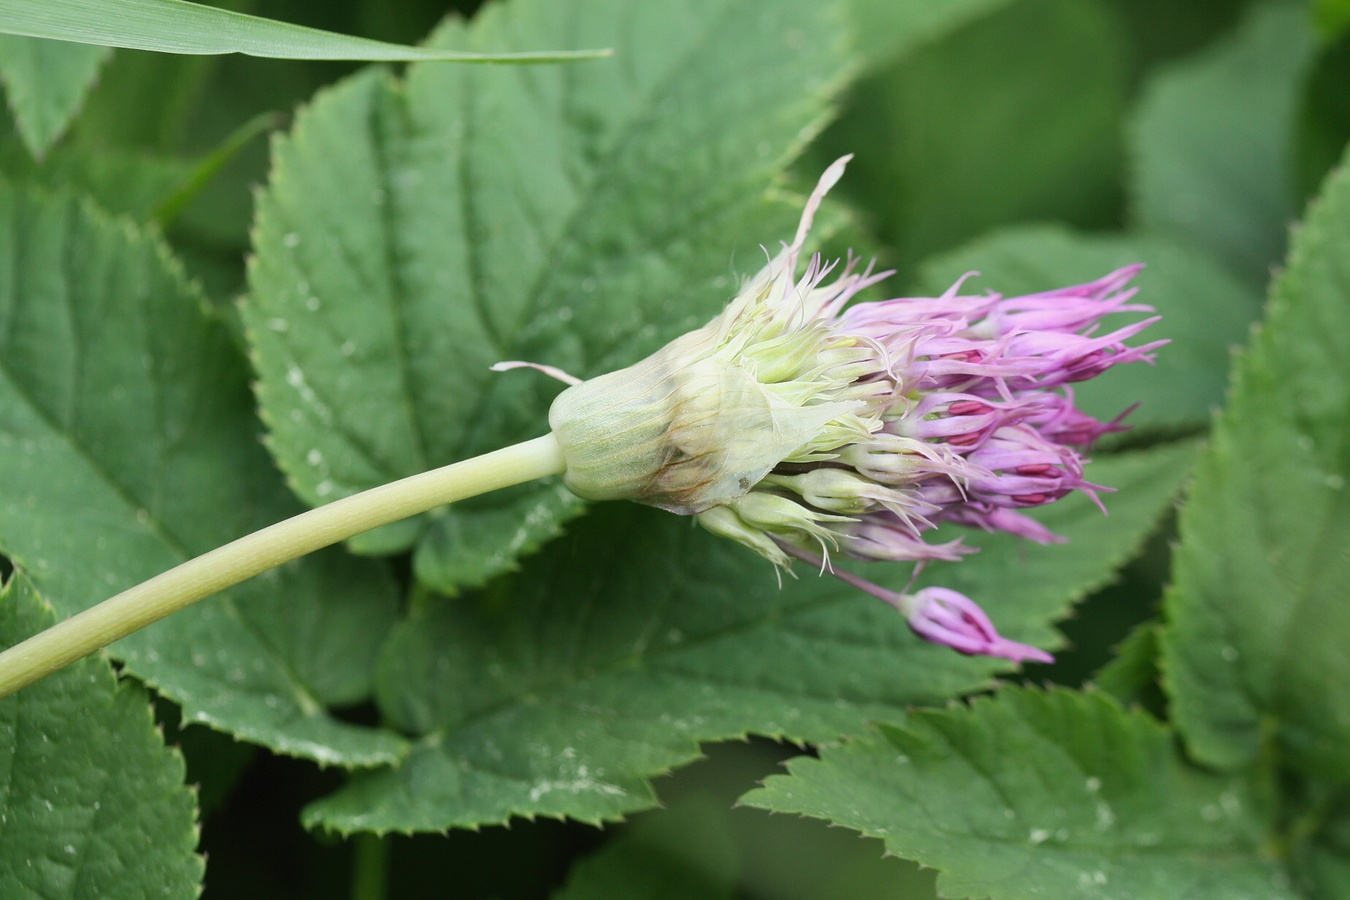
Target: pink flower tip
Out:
[946,617]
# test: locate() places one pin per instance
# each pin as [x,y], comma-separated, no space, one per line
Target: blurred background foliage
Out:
[1079,114]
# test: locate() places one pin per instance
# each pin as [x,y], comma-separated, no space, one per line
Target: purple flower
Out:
[946,617]
[943,616]
[799,425]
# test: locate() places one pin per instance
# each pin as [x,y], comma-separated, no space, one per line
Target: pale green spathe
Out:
[684,430]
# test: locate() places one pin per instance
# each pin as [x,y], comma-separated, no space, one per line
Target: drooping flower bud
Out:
[943,616]
[946,617]
[796,426]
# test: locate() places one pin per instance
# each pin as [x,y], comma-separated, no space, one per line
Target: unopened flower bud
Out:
[723,521]
[793,422]
[952,619]
[834,490]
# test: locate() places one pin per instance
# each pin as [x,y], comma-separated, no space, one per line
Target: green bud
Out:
[785,517]
[839,491]
[724,522]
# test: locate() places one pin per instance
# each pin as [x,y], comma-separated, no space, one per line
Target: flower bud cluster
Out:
[800,426]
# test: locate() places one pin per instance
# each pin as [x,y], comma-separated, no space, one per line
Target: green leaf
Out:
[46,83]
[216,762]
[92,804]
[1332,18]
[166,103]
[415,233]
[606,661]
[176,26]
[123,183]
[978,130]
[1132,675]
[1321,862]
[884,30]
[206,169]
[686,851]
[127,445]
[1212,142]
[1258,623]
[1163,30]
[1030,794]
[1206,313]
[1324,117]
[148,186]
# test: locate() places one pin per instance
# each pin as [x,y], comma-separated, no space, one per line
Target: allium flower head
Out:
[800,426]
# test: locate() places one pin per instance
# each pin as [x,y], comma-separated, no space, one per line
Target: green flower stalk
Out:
[792,423]
[240,560]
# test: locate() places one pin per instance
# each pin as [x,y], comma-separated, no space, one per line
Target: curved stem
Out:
[253,554]
[370,866]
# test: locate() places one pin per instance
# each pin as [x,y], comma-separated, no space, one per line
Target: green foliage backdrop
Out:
[204,330]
